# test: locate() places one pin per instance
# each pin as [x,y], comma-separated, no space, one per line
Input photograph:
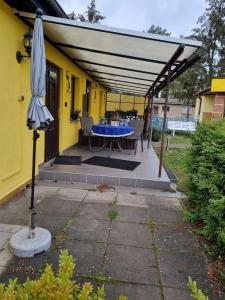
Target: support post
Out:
[32,207]
[147,116]
[164,121]
[150,123]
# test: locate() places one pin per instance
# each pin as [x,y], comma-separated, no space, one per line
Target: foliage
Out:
[92,15]
[196,292]
[155,29]
[112,213]
[156,134]
[206,186]
[52,286]
[180,139]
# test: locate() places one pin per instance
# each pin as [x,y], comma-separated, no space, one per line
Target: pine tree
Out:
[156,29]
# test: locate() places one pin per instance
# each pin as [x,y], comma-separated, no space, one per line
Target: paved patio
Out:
[144,176]
[147,252]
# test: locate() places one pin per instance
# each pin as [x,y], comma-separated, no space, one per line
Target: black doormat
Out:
[67,160]
[112,163]
[171,175]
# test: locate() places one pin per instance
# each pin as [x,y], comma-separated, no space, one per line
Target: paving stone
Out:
[176,294]
[129,199]
[132,214]
[163,202]
[100,197]
[133,292]
[71,194]
[88,255]
[13,218]
[89,229]
[57,207]
[165,216]
[4,238]
[131,264]
[176,237]
[130,234]
[5,255]
[9,228]
[54,224]
[175,267]
[94,210]
[43,191]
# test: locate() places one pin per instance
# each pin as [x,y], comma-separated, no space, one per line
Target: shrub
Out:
[52,286]
[206,167]
[196,292]
[156,134]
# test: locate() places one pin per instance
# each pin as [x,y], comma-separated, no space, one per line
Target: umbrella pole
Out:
[32,208]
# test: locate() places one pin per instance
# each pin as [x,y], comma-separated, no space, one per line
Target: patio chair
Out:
[86,126]
[138,126]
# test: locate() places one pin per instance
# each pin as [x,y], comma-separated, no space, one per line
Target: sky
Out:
[177,16]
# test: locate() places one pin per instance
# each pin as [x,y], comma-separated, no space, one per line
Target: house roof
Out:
[170,102]
[120,60]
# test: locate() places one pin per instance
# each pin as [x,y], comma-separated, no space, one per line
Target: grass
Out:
[180,139]
[175,159]
[112,213]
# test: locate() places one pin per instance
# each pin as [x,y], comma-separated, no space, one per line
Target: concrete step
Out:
[103,179]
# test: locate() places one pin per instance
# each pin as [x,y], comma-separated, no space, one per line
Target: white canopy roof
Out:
[120,60]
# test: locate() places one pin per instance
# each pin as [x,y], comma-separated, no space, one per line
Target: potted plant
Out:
[74,115]
[115,120]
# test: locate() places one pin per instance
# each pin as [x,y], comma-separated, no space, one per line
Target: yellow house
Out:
[69,86]
[210,103]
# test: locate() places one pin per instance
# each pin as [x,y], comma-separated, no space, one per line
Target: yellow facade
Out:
[218,85]
[16,139]
[125,102]
[207,103]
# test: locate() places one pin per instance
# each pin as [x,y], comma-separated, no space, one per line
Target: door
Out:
[52,102]
[86,99]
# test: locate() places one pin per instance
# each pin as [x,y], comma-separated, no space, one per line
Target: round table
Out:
[114,133]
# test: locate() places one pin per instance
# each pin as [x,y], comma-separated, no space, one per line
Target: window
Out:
[163,108]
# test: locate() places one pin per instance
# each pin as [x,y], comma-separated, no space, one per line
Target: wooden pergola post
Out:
[147,117]
[150,123]
[164,121]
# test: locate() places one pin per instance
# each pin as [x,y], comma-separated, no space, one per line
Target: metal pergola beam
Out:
[112,84]
[113,67]
[119,75]
[122,81]
[122,91]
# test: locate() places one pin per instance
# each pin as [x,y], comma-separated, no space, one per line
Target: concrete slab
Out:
[5,255]
[100,197]
[176,237]
[164,202]
[130,234]
[171,293]
[89,229]
[43,191]
[132,214]
[131,264]
[94,210]
[133,292]
[9,228]
[54,224]
[167,216]
[4,238]
[71,194]
[131,200]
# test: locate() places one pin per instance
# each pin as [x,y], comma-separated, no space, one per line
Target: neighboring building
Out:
[210,103]
[64,78]
[176,108]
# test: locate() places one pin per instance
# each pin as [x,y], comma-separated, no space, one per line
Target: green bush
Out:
[196,292]
[52,286]
[206,168]
[156,134]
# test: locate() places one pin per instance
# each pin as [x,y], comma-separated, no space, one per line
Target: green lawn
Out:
[175,159]
[180,139]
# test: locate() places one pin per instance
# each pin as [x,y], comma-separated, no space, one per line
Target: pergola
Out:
[122,61]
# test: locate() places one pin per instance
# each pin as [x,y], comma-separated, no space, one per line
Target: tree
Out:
[156,29]
[92,15]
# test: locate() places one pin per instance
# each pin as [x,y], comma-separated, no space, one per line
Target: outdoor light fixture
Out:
[27,43]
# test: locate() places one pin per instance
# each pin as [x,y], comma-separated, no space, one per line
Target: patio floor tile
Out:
[171,293]
[71,194]
[167,216]
[94,210]
[131,264]
[130,234]
[132,292]
[132,214]
[89,229]
[98,197]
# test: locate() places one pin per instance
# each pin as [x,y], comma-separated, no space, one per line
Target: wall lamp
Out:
[27,43]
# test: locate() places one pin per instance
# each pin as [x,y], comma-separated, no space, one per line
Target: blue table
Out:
[114,133]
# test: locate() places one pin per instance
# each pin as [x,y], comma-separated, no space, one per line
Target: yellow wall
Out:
[16,139]
[128,102]
[206,107]
[218,85]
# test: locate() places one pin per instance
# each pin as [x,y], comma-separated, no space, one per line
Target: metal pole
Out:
[32,208]
[164,121]
[150,123]
[147,115]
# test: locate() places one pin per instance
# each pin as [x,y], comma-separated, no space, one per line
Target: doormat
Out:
[114,163]
[67,160]
[171,175]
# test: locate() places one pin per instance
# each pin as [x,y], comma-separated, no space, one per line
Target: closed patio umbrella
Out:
[26,243]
